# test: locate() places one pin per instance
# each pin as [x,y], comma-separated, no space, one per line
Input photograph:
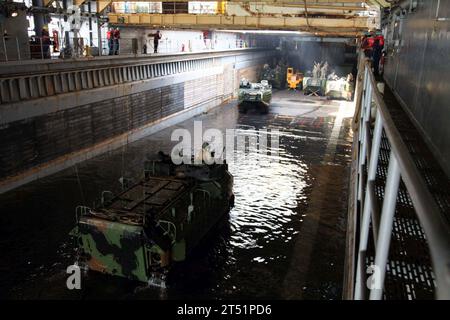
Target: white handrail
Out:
[401,165]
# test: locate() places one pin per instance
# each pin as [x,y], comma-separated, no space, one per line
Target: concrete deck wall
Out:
[43,135]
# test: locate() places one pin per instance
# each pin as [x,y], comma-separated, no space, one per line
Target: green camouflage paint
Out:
[158,221]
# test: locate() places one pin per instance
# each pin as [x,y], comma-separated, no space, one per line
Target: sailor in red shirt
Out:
[116,36]
[110,37]
[380,39]
[367,44]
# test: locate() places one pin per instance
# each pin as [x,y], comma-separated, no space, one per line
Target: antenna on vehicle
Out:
[79,185]
[123,181]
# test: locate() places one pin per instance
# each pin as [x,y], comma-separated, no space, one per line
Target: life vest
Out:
[380,40]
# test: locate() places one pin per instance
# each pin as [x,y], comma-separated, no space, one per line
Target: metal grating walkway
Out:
[438,183]
[409,273]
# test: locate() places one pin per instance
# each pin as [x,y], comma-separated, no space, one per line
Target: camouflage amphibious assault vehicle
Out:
[139,233]
[256,95]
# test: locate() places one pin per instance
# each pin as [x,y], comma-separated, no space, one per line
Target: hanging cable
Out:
[306,15]
[122,179]
[79,185]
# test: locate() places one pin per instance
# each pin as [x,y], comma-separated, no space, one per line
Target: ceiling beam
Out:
[312,2]
[195,21]
[46,3]
[102,4]
[379,3]
[332,5]
[324,7]
[78,2]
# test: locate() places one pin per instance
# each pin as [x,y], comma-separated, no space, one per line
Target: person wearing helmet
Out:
[367,44]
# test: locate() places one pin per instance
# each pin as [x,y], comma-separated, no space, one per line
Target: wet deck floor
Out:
[285,238]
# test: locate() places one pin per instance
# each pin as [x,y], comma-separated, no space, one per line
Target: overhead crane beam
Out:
[353,25]
[313,5]
[330,3]
[322,7]
[320,16]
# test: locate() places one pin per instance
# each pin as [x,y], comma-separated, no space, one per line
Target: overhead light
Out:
[14,14]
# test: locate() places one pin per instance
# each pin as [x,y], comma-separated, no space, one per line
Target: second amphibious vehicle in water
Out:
[256,95]
[141,232]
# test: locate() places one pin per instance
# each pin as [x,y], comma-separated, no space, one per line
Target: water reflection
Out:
[247,256]
[267,194]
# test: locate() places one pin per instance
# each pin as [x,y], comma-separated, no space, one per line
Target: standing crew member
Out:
[376,56]
[367,44]
[110,37]
[45,43]
[55,41]
[156,36]
[116,34]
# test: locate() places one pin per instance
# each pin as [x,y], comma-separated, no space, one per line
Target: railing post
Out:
[364,233]
[365,109]
[363,98]
[387,220]
[365,121]
[100,42]
[18,49]
[4,48]
[42,49]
